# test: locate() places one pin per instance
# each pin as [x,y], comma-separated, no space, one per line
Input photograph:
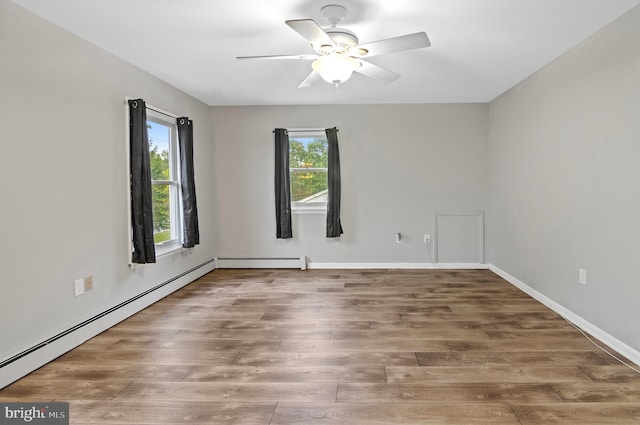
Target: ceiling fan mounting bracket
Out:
[333,13]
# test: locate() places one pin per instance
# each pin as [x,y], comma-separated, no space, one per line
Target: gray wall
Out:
[554,160]
[565,179]
[64,196]
[400,164]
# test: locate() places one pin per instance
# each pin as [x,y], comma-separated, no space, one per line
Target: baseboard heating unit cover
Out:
[261,263]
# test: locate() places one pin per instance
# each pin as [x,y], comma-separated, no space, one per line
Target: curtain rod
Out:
[162,112]
[306,130]
[154,109]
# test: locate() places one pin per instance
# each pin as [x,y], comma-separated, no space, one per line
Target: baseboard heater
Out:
[261,263]
[97,317]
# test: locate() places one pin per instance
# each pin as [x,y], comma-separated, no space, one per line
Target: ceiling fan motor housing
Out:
[343,38]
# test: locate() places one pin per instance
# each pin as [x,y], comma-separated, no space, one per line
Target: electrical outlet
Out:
[88,283]
[427,238]
[582,276]
[78,287]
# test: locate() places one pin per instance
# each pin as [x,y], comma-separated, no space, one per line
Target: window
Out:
[164,159]
[308,169]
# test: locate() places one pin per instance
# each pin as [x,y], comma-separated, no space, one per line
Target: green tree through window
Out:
[308,169]
[160,194]
[161,178]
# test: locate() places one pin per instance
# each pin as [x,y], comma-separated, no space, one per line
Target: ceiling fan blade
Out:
[311,79]
[311,31]
[303,57]
[376,72]
[395,44]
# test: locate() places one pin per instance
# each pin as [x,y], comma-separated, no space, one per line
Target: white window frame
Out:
[307,207]
[175,212]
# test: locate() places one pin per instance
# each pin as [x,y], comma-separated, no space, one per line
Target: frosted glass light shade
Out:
[335,68]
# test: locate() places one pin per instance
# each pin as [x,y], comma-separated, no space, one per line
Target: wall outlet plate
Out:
[582,276]
[88,283]
[78,287]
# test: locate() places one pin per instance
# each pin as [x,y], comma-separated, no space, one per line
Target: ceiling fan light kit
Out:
[335,68]
[339,52]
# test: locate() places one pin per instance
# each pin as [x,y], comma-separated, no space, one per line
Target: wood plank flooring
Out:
[286,347]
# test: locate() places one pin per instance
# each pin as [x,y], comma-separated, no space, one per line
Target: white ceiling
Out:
[480,48]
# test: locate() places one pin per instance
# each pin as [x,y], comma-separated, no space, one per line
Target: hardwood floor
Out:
[340,347]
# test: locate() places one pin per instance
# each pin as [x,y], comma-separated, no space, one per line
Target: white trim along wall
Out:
[571,317]
[48,351]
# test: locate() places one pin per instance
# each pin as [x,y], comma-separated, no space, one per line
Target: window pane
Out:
[165,196]
[161,201]
[308,169]
[159,137]
[308,186]
[307,152]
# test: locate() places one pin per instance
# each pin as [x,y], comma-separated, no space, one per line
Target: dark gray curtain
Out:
[334,227]
[141,207]
[282,183]
[190,231]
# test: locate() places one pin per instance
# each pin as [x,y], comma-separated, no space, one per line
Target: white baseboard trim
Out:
[583,324]
[261,263]
[59,345]
[407,266]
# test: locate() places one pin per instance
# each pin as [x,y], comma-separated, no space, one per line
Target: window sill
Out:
[310,210]
[162,252]
[169,249]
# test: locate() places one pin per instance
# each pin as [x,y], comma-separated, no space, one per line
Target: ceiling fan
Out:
[338,52]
